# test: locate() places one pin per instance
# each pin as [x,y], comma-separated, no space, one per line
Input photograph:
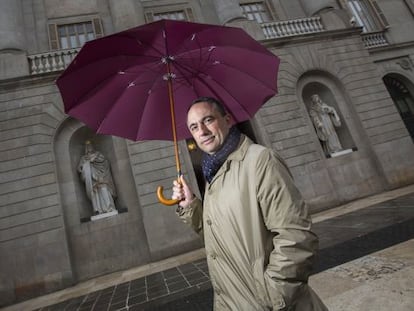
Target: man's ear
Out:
[228,119]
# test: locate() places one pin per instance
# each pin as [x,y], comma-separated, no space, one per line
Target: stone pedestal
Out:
[104,215]
[339,153]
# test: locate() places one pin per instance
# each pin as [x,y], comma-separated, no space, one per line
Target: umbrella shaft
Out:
[173,125]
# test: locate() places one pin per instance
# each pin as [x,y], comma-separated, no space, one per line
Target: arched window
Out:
[404,101]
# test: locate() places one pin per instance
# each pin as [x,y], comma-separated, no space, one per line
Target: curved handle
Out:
[163,200]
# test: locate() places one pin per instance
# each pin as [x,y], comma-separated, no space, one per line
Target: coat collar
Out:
[240,152]
[236,155]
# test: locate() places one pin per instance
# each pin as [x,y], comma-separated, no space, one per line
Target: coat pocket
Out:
[273,291]
[261,292]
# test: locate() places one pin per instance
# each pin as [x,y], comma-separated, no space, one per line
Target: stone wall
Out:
[33,244]
[47,241]
[345,67]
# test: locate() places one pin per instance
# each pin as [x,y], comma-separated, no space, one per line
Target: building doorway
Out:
[403,99]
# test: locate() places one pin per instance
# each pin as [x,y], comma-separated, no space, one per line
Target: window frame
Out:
[374,12]
[267,5]
[53,30]
[149,13]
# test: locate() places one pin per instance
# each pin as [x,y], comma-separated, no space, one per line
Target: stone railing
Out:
[374,39]
[51,61]
[292,27]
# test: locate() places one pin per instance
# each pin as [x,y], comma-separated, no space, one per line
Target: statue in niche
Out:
[95,172]
[325,119]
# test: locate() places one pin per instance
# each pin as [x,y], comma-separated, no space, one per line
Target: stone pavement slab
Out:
[357,255]
[381,281]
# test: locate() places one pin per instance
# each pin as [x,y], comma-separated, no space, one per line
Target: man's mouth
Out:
[208,140]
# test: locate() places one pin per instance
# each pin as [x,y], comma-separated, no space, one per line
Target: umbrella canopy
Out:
[139,83]
[123,84]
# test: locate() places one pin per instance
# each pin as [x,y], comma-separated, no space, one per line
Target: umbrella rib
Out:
[117,101]
[197,74]
[230,66]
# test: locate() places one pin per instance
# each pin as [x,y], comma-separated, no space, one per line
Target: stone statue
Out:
[325,119]
[95,171]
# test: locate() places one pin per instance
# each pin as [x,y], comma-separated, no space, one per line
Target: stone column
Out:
[332,16]
[230,13]
[11,25]
[13,59]
[228,10]
[124,14]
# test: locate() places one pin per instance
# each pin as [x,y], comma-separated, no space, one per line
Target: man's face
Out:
[208,127]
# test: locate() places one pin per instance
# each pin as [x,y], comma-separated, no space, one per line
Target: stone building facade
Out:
[358,56]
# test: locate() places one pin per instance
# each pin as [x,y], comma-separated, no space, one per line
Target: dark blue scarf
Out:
[212,162]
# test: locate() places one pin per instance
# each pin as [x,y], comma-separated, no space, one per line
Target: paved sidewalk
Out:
[353,241]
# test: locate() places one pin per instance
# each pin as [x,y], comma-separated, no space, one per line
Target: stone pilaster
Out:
[124,14]
[332,16]
[230,14]
[13,60]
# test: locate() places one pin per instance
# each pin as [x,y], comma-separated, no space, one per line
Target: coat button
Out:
[280,303]
[209,222]
[213,255]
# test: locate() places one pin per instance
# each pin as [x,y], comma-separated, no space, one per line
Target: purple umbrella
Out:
[139,83]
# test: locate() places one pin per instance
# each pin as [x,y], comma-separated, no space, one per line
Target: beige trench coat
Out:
[257,234]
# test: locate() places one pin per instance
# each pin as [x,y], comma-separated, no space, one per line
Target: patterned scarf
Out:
[212,162]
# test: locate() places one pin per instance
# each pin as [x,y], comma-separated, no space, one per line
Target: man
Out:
[255,224]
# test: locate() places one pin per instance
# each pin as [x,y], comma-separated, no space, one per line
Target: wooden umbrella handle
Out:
[163,200]
[160,195]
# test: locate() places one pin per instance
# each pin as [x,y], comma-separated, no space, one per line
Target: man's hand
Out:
[182,192]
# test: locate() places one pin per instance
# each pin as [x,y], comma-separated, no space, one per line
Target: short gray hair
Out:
[213,102]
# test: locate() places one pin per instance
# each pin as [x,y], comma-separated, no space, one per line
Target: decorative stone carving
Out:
[405,63]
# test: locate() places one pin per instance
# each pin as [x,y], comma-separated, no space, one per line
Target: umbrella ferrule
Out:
[169,76]
[167,59]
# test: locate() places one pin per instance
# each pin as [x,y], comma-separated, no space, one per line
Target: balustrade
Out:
[374,39]
[51,61]
[59,60]
[292,27]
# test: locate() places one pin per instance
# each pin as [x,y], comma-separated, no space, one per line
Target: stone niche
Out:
[326,95]
[329,179]
[106,244]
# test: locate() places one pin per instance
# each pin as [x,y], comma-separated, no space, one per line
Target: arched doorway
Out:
[403,99]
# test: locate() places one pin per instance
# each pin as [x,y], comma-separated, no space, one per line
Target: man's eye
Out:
[193,128]
[208,120]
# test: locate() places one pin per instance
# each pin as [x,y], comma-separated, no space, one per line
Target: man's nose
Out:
[204,129]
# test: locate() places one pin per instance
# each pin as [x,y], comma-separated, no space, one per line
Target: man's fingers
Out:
[183,182]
